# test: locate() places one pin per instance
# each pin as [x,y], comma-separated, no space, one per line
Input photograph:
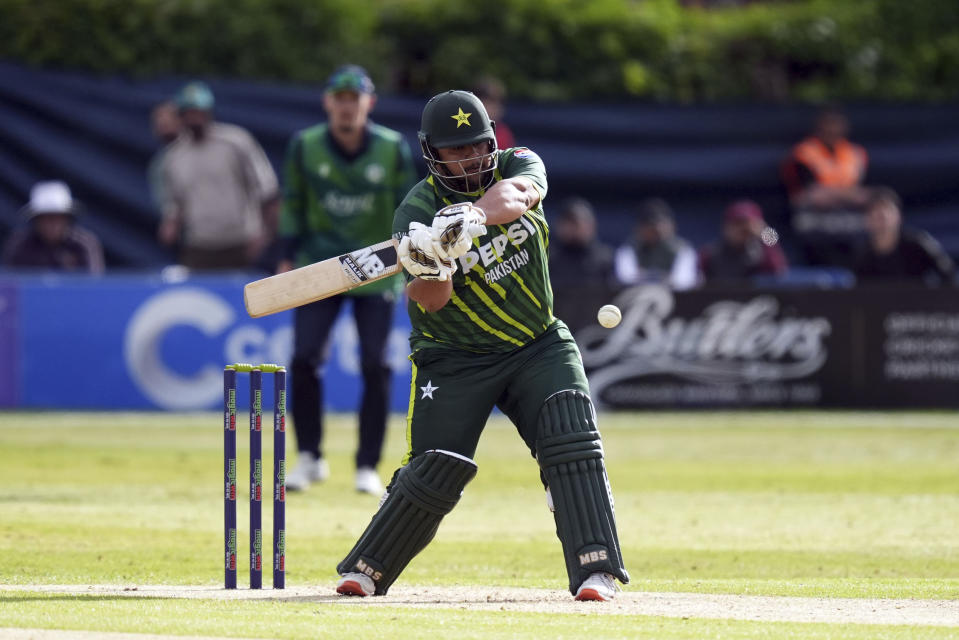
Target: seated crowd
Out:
[837,220]
[746,250]
[843,231]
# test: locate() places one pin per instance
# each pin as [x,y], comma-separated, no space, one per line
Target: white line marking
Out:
[943,613]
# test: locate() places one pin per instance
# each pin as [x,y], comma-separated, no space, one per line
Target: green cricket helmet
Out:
[458,119]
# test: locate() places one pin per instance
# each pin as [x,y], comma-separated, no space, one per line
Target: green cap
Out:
[350,77]
[196,95]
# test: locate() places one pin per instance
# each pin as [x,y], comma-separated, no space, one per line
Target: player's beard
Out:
[475,179]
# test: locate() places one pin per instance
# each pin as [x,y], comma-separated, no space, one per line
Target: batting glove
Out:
[454,228]
[418,257]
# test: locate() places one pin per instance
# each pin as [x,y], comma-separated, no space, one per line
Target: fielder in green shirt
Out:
[342,182]
[473,241]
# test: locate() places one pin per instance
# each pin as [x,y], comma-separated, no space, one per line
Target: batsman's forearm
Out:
[432,295]
[507,200]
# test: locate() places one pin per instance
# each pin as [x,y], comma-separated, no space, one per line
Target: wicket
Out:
[256,372]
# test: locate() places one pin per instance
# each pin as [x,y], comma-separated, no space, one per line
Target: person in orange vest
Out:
[824,177]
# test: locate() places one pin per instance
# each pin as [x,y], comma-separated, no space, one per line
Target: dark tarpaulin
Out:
[93,132]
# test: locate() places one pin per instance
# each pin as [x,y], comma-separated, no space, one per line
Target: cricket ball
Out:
[609,315]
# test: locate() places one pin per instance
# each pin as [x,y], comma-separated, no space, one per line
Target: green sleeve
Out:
[293,215]
[418,206]
[522,162]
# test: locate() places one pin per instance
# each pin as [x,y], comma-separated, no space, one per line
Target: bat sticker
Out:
[367,264]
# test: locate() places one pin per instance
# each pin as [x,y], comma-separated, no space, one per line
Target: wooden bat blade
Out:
[321,279]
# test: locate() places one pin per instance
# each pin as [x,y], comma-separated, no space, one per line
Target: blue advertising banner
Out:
[145,342]
[9,357]
[152,342]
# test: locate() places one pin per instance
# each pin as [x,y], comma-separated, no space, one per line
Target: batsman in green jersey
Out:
[342,182]
[473,240]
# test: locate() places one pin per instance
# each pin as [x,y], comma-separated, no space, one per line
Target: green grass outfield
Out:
[839,505]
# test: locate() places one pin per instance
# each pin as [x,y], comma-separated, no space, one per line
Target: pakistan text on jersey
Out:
[507,267]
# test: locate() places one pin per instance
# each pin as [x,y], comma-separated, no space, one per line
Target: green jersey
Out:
[333,204]
[501,297]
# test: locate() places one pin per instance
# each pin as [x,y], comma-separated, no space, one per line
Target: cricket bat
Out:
[321,279]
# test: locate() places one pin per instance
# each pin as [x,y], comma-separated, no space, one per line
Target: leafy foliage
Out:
[541,49]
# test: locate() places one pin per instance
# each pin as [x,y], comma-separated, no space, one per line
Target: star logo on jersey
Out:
[428,390]
[462,118]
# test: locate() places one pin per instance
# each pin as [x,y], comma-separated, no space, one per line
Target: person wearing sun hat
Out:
[51,240]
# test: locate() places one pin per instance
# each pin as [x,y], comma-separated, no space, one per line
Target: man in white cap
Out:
[52,240]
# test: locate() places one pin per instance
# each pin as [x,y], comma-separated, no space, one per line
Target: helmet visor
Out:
[467,172]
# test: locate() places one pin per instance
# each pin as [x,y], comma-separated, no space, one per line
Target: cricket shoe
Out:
[599,586]
[356,584]
[368,481]
[307,471]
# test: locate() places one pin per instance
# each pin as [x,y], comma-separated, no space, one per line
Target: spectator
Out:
[220,192]
[165,123]
[896,253]
[52,240]
[748,247]
[655,253]
[343,181]
[492,93]
[577,261]
[576,256]
[824,179]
